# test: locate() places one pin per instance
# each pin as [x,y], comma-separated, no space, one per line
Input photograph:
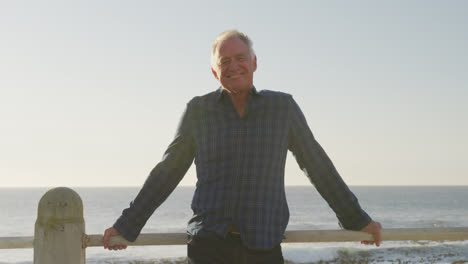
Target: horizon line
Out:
[308,185]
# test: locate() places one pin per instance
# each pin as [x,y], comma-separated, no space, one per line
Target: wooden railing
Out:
[59,235]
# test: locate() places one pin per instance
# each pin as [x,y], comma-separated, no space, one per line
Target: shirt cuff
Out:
[357,222]
[127,230]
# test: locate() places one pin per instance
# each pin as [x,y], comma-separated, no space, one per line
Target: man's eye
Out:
[226,62]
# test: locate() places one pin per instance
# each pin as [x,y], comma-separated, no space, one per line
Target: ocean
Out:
[394,207]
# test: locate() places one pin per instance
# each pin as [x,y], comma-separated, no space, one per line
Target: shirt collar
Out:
[220,93]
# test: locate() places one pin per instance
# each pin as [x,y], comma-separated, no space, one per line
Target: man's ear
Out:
[255,63]
[214,73]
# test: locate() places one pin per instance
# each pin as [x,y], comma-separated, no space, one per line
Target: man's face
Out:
[234,65]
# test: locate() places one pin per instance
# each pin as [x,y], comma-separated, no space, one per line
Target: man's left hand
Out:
[373,228]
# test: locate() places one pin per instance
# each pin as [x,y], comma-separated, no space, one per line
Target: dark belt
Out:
[233,231]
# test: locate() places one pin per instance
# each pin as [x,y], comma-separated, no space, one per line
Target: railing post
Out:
[59,228]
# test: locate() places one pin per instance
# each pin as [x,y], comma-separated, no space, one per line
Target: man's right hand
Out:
[373,228]
[110,232]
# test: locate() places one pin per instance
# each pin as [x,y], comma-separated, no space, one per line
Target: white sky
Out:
[91,91]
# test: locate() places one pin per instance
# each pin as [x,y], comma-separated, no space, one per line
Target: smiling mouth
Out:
[235,76]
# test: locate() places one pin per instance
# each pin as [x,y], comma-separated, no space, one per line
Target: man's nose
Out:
[234,65]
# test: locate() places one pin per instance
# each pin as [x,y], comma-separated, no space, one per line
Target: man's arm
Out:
[318,167]
[160,183]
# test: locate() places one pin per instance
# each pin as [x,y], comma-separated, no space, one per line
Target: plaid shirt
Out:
[240,168]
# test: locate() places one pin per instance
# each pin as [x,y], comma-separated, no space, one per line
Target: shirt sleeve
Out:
[161,181]
[318,167]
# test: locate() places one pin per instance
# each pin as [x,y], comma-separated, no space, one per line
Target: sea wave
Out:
[342,253]
[447,252]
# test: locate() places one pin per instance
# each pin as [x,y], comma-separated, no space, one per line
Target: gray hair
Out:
[229,34]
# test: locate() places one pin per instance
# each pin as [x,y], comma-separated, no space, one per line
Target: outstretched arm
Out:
[318,167]
[160,183]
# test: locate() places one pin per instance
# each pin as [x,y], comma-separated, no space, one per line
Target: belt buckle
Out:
[234,232]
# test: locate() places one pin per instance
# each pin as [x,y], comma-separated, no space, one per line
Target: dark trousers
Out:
[229,250]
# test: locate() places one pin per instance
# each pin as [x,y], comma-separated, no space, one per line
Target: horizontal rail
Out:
[300,236]
[16,242]
[151,239]
[400,234]
[412,234]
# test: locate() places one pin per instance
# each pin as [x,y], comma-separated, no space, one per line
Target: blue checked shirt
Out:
[240,168]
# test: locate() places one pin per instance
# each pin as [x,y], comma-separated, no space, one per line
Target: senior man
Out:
[239,138]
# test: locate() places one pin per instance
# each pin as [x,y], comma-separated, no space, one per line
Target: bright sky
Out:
[91,91]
